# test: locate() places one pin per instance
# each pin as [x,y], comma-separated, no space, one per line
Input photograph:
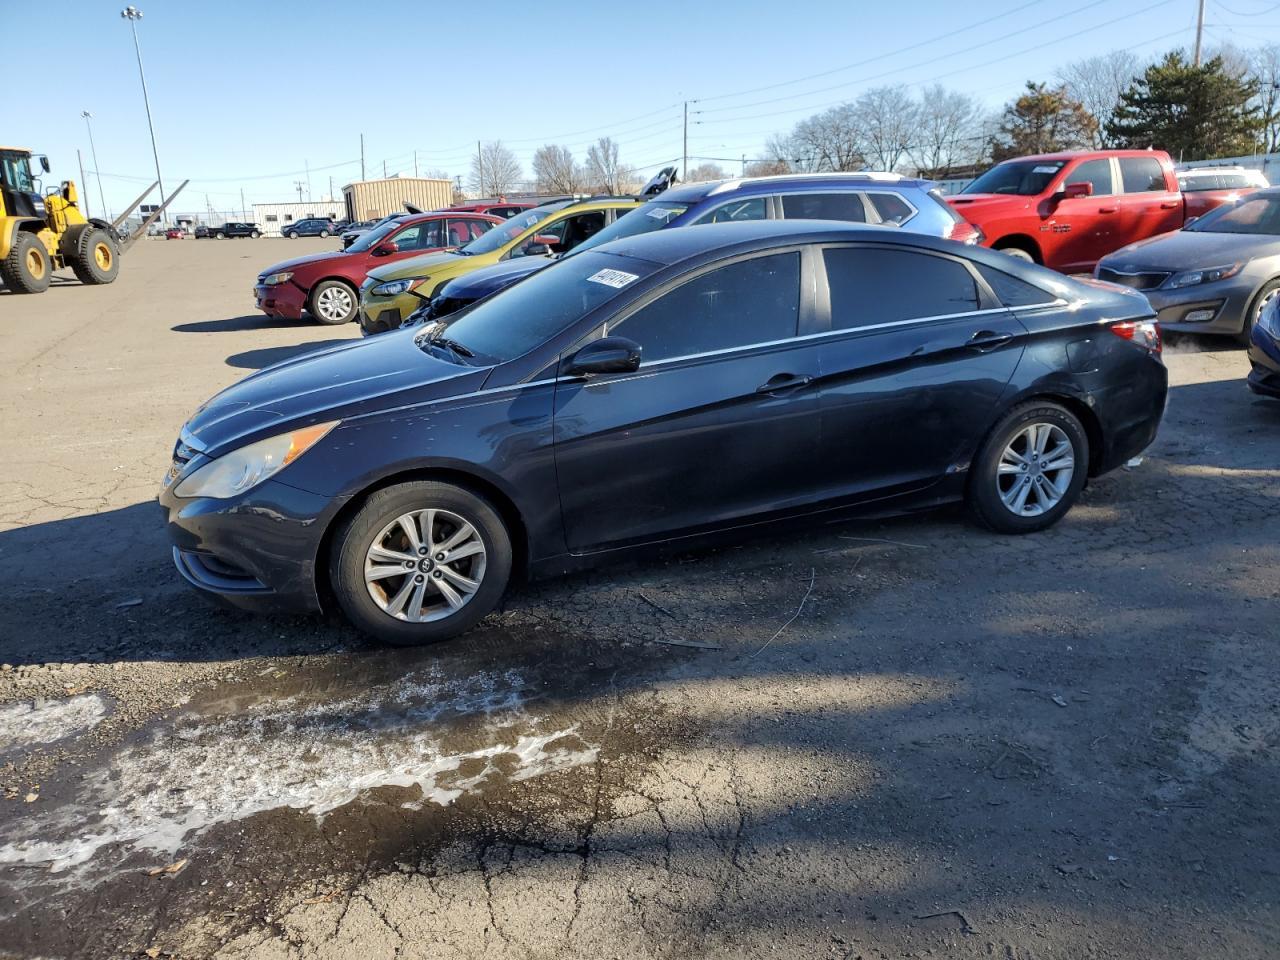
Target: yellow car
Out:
[392,292]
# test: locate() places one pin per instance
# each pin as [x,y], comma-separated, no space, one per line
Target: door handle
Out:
[985,340]
[1108,209]
[1168,204]
[784,382]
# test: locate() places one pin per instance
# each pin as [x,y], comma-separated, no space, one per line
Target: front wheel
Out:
[28,268]
[1030,470]
[255,234]
[333,302]
[292,234]
[1261,301]
[420,562]
[325,234]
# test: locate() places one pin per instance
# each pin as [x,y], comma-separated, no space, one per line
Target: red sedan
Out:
[327,285]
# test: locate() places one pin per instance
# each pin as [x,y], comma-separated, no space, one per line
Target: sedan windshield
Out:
[1258,215]
[504,233]
[513,321]
[369,238]
[654,215]
[1025,178]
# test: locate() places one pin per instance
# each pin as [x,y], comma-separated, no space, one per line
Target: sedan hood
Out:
[413,267]
[1189,250]
[297,262]
[481,283]
[331,384]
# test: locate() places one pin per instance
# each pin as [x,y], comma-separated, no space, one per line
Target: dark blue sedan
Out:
[1264,352]
[655,390]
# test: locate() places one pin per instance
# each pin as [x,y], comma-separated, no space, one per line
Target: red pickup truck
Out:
[1068,210]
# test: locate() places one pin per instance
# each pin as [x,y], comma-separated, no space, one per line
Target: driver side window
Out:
[750,209]
[1094,172]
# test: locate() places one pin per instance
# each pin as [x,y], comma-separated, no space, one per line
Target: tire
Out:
[255,234]
[292,234]
[1018,254]
[1011,438]
[1265,295]
[28,268]
[372,606]
[94,258]
[333,302]
[219,235]
[325,234]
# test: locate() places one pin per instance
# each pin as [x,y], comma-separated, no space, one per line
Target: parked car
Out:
[229,229]
[1264,353]
[310,227]
[327,284]
[1205,188]
[881,198]
[1069,210]
[653,390]
[1215,275]
[502,207]
[175,233]
[392,293]
[355,231]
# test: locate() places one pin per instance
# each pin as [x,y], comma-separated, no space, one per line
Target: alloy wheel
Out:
[1035,470]
[1264,302]
[334,303]
[425,565]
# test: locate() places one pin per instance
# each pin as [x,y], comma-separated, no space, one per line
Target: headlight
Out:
[272,279]
[235,472]
[1189,278]
[393,288]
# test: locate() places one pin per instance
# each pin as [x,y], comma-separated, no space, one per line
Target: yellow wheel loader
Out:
[40,234]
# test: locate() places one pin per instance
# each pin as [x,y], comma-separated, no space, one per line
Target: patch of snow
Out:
[25,725]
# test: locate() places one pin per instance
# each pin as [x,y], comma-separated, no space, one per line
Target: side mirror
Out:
[540,246]
[1074,191]
[44,163]
[606,355]
[386,248]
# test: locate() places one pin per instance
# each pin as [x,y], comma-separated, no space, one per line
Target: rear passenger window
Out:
[1142,175]
[824,206]
[1096,173]
[871,286]
[752,301]
[892,208]
[1011,291]
[752,208]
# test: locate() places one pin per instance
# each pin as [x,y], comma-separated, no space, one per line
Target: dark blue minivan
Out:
[656,390]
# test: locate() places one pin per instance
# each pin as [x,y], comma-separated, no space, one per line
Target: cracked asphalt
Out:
[963,745]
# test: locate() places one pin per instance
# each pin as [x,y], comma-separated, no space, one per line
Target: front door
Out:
[918,355]
[719,422]
[1085,229]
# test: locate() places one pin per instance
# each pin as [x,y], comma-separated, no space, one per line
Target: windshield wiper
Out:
[454,345]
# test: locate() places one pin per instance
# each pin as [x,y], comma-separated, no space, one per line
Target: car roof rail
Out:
[869,176]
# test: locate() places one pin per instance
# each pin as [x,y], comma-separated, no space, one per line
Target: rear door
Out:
[917,355]
[1147,206]
[720,421]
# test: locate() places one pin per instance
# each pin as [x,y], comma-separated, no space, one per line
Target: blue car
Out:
[877,198]
[1264,352]
[658,390]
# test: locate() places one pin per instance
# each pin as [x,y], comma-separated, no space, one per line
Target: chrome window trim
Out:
[915,211]
[865,176]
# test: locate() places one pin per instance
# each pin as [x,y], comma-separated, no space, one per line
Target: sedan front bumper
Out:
[1204,307]
[283,301]
[380,314]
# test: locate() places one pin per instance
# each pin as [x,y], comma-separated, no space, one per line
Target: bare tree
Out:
[1264,69]
[495,171]
[886,119]
[630,180]
[767,168]
[831,140]
[705,171]
[949,131]
[1097,83]
[555,170]
[602,165]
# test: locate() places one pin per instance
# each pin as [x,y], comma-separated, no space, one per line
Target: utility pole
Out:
[133,15]
[362,156]
[744,164]
[306,165]
[1199,32]
[480,167]
[415,163]
[458,180]
[299,185]
[80,161]
[244,211]
[93,152]
[384,169]
[684,169]
[330,187]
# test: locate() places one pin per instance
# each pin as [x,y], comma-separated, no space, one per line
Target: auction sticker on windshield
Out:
[613,278]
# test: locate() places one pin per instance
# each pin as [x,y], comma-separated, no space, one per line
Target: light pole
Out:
[93,151]
[133,15]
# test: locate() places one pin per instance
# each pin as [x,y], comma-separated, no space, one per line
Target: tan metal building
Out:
[374,199]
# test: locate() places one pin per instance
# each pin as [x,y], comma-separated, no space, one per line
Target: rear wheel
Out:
[1018,253]
[333,302]
[421,562]
[93,255]
[1264,298]
[219,235]
[1030,470]
[28,268]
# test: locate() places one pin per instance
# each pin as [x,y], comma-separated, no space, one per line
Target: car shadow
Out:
[266,356]
[254,321]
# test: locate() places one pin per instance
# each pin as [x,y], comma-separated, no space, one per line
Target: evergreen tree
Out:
[1195,113]
[1043,120]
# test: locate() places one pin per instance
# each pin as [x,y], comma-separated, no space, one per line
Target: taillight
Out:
[962,231]
[1145,333]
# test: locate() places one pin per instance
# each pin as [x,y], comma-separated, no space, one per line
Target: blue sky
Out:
[248,94]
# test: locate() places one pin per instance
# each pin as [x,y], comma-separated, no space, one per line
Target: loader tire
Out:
[28,268]
[95,258]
